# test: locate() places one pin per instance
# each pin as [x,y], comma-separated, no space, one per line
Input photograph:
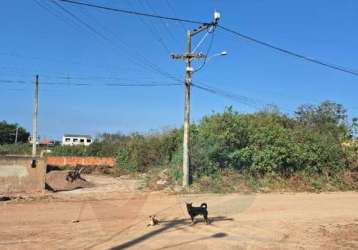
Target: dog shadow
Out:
[166,225]
[199,220]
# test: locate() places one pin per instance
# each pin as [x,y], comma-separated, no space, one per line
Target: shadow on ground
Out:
[176,223]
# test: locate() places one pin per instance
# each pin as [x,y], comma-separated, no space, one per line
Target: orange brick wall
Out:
[80,160]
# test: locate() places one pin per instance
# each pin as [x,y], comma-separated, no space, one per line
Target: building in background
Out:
[45,142]
[72,139]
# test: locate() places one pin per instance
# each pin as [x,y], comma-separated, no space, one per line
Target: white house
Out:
[70,139]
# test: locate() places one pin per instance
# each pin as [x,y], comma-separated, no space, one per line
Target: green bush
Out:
[316,140]
[270,143]
[260,144]
[123,162]
[95,149]
[145,151]
[16,149]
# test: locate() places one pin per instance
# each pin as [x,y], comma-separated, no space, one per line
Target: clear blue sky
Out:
[46,41]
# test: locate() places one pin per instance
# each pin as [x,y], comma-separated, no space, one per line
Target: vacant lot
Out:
[114,215]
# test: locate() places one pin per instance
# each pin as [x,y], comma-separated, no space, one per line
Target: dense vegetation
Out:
[259,144]
[315,141]
[262,143]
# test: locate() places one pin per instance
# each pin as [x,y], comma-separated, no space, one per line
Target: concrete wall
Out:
[80,160]
[18,176]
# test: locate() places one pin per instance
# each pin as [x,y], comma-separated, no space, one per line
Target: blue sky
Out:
[46,41]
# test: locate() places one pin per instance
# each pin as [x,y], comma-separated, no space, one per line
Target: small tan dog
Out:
[153,221]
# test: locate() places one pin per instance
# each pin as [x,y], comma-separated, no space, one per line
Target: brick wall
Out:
[80,160]
[18,176]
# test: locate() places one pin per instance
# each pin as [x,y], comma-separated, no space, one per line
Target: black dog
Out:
[194,211]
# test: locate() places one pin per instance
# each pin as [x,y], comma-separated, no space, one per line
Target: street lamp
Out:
[222,53]
[207,59]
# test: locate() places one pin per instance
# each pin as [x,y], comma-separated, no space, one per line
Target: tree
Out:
[8,133]
[327,118]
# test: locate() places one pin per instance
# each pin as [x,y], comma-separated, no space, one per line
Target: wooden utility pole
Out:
[188,56]
[34,117]
[186,138]
[16,134]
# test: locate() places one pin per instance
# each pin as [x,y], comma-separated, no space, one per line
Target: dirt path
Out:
[115,216]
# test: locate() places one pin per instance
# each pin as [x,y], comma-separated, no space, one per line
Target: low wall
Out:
[80,160]
[18,176]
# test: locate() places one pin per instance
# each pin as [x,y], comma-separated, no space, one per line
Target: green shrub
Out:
[123,162]
[263,144]
[16,149]
[269,143]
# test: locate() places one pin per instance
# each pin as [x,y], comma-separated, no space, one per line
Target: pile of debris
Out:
[163,178]
[66,180]
[5,198]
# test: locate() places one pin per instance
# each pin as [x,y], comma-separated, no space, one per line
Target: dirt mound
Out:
[58,181]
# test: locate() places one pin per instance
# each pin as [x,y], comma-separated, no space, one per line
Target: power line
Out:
[88,26]
[207,51]
[52,12]
[81,22]
[62,61]
[219,92]
[250,102]
[68,77]
[266,44]
[132,12]
[145,61]
[143,85]
[162,21]
[140,57]
[291,53]
[152,31]
[174,12]
[201,41]
[11,81]
[121,84]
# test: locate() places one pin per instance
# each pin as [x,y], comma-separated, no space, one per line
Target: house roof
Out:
[77,135]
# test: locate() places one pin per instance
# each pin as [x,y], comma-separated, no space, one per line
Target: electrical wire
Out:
[201,41]
[175,15]
[67,62]
[266,44]
[115,84]
[256,104]
[238,98]
[131,12]
[144,85]
[146,62]
[291,53]
[135,52]
[43,6]
[152,31]
[162,21]
[68,77]
[11,81]
[121,84]
[207,51]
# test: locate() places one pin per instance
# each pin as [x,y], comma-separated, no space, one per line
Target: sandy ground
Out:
[114,216]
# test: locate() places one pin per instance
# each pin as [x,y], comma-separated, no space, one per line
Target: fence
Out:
[80,160]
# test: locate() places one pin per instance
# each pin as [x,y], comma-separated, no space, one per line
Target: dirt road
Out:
[115,217]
